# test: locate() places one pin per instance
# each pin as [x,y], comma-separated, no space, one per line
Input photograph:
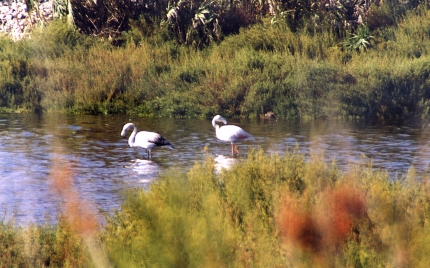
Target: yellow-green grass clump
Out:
[264,211]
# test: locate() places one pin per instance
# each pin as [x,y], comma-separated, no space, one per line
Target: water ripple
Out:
[103,166]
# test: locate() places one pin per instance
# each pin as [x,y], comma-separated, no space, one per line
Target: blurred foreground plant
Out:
[263,211]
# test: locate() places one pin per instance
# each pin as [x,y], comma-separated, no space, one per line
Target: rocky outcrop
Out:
[17,21]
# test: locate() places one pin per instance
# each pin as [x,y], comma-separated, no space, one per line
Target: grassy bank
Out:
[269,211]
[263,68]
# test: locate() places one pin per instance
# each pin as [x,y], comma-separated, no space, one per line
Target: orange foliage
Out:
[345,207]
[329,224]
[77,211]
[299,227]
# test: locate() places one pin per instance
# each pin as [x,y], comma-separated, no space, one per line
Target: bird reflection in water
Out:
[222,162]
[147,170]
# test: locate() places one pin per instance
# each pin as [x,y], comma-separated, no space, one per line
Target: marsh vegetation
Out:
[375,70]
[269,211]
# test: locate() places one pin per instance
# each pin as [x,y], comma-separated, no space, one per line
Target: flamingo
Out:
[230,133]
[144,139]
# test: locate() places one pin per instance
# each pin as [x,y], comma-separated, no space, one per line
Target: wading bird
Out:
[144,139]
[230,133]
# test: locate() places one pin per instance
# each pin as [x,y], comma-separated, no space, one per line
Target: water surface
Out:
[103,165]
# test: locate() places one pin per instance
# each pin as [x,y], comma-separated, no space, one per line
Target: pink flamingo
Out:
[230,133]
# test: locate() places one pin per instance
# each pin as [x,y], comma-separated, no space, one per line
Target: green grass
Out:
[273,211]
[42,246]
[263,68]
[267,211]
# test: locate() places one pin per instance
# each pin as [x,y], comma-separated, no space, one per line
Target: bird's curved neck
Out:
[214,123]
[132,137]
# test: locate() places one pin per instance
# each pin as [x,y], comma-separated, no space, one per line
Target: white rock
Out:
[15,18]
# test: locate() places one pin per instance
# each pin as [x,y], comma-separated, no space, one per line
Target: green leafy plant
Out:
[360,40]
[194,23]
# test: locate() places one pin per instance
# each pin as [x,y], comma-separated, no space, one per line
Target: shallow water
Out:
[103,165]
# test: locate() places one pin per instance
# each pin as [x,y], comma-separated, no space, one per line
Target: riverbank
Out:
[17,21]
[266,67]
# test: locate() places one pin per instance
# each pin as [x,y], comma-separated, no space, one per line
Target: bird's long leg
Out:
[149,154]
[233,147]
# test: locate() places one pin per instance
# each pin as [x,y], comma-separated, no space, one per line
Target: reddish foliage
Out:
[77,210]
[346,207]
[299,227]
[335,219]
